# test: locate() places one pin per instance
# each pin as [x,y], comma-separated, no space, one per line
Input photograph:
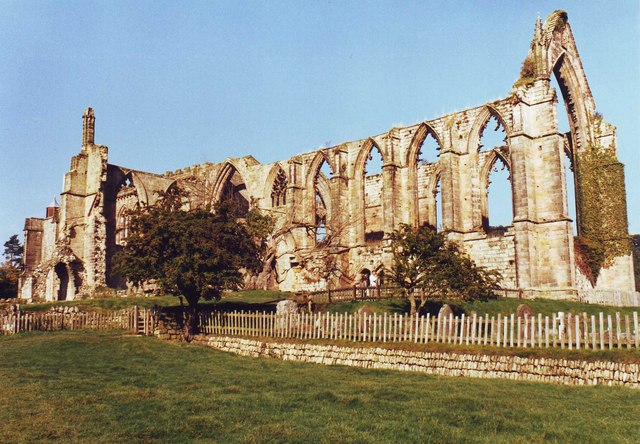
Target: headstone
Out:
[286,306]
[524,310]
[445,311]
[365,309]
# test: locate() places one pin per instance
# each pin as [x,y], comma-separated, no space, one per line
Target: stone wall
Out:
[495,252]
[551,370]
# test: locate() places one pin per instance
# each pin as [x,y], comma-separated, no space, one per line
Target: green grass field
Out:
[234,300]
[491,307]
[106,387]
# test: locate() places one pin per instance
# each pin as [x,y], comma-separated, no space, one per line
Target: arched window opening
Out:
[498,215]
[123,223]
[321,219]
[562,115]
[429,151]
[426,164]
[127,199]
[325,170]
[235,191]
[322,202]
[373,196]
[63,280]
[437,203]
[492,134]
[279,190]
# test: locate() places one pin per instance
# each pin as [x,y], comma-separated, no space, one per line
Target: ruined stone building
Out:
[333,218]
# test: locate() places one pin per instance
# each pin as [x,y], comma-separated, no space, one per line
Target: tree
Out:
[427,265]
[13,251]
[10,270]
[196,254]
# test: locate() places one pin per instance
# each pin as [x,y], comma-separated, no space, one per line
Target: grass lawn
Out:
[240,300]
[104,387]
[491,307]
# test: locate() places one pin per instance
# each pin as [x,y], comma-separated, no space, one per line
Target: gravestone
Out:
[524,310]
[445,311]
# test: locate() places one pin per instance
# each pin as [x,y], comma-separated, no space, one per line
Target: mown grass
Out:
[101,387]
[491,307]
[232,300]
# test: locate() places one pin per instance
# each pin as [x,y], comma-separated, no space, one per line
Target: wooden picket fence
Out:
[126,319]
[559,330]
[618,298]
[352,294]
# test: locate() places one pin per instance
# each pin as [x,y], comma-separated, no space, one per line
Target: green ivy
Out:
[601,199]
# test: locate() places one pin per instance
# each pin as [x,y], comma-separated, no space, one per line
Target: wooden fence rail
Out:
[603,297]
[19,322]
[558,330]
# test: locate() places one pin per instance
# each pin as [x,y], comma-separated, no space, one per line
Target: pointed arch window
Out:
[497,214]
[279,190]
[235,191]
[492,134]
[322,202]
[373,189]
[426,164]
[123,224]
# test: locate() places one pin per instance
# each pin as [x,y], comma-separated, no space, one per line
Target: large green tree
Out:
[13,251]
[196,254]
[426,266]
[10,270]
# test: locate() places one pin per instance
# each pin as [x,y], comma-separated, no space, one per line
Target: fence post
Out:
[635,327]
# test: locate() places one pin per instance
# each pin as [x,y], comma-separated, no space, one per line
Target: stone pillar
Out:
[543,234]
[88,127]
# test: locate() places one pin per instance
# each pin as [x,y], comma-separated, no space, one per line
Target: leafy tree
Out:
[426,265]
[196,254]
[10,270]
[13,251]
[8,280]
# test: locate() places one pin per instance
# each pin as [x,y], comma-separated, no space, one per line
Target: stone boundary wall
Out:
[551,370]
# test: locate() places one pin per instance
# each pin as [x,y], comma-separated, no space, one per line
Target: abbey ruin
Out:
[333,218]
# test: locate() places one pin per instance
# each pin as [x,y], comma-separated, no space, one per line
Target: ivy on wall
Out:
[635,239]
[601,201]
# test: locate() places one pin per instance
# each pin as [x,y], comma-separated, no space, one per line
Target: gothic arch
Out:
[578,101]
[315,165]
[413,192]
[230,181]
[480,123]
[363,156]
[424,129]
[359,179]
[319,185]
[485,172]
[277,173]
[131,179]
[435,180]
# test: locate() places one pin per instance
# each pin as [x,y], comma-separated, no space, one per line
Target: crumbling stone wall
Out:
[329,228]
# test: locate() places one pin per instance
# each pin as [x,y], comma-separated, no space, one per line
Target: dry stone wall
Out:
[550,370]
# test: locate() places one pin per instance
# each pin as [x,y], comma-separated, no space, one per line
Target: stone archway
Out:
[62,273]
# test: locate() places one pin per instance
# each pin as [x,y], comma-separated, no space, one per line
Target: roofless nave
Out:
[346,214]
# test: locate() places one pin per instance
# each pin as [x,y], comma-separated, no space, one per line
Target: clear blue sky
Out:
[180,83]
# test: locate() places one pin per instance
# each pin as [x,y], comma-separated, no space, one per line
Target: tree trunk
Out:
[190,325]
[412,302]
